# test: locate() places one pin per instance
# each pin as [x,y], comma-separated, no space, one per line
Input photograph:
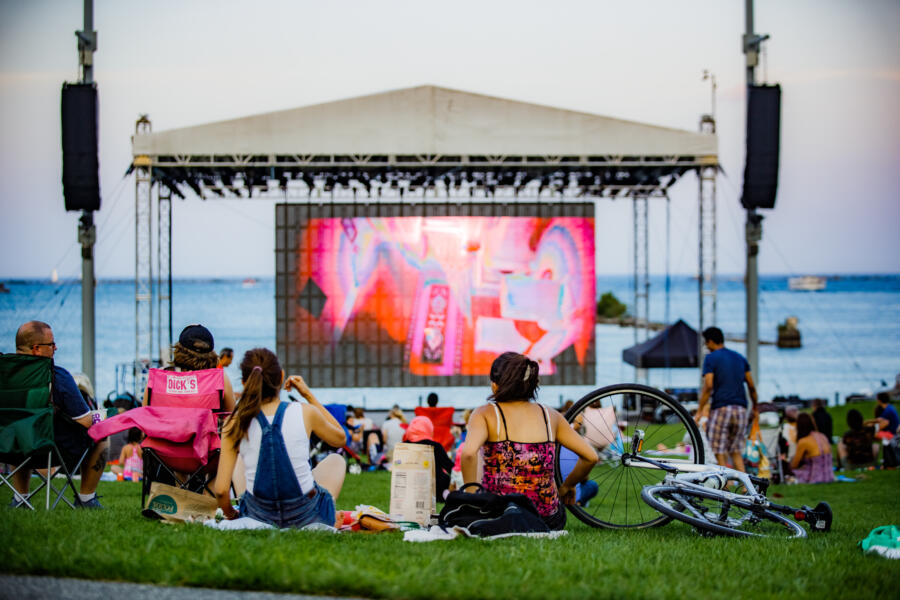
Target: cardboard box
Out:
[412,483]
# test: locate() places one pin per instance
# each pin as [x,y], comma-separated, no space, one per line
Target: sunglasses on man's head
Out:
[53,344]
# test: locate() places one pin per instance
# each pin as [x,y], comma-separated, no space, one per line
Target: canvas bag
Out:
[412,483]
[485,513]
[883,540]
[175,505]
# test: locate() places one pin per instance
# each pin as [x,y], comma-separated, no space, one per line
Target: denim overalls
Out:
[277,498]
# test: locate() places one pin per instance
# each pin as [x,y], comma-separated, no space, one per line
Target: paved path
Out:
[27,587]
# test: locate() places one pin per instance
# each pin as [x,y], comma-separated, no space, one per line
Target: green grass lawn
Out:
[666,562]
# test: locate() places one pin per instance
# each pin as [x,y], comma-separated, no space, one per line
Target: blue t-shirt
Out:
[893,419]
[728,369]
[71,438]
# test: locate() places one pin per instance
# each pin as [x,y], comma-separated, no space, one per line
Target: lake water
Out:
[851,332]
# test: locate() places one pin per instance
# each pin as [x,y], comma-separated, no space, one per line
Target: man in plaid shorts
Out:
[724,374]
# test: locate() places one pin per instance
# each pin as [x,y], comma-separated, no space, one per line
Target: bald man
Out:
[36,338]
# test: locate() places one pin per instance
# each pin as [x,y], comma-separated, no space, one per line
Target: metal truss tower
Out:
[164,275]
[706,218]
[143,263]
[641,238]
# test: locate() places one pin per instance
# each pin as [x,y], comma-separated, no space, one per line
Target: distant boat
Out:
[54,276]
[807,283]
[249,282]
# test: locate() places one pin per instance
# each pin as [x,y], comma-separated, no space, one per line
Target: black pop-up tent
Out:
[676,346]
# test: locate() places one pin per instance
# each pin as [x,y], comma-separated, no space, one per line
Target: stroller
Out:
[771,438]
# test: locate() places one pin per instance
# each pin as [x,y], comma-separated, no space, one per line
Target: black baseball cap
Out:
[197,338]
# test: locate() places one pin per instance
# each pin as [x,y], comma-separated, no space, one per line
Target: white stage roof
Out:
[427,121]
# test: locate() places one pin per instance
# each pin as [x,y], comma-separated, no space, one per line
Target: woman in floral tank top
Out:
[518,439]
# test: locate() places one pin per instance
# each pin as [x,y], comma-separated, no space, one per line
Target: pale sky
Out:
[191,62]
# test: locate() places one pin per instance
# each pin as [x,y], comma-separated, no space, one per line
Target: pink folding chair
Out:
[164,456]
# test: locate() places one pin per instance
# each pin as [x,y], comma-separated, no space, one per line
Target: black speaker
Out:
[763,140]
[80,167]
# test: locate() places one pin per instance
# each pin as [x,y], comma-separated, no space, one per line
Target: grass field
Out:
[665,562]
[671,561]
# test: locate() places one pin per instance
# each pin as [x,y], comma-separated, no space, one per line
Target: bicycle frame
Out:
[685,474]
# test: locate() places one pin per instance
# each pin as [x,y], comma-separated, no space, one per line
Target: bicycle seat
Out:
[820,517]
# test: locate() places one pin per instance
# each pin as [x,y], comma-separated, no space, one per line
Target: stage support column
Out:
[753,228]
[87,233]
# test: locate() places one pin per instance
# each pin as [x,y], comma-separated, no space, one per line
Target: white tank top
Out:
[293,430]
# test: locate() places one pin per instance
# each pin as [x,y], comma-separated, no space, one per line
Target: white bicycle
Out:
[652,455]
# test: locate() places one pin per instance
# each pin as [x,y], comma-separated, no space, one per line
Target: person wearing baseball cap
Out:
[194,351]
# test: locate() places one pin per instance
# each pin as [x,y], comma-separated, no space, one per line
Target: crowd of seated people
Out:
[491,445]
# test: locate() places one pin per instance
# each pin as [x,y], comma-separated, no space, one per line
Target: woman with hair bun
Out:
[272,439]
[518,438]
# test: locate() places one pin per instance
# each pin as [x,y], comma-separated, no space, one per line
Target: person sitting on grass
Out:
[369,434]
[421,431]
[886,417]
[812,461]
[225,358]
[130,465]
[518,437]
[392,431]
[272,438]
[857,446]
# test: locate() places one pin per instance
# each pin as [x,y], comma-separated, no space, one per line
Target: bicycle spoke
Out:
[605,427]
[640,508]
[615,498]
[646,474]
[607,420]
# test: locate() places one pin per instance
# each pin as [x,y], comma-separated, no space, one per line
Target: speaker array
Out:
[80,173]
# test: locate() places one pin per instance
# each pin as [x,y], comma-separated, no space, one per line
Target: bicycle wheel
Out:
[709,513]
[607,419]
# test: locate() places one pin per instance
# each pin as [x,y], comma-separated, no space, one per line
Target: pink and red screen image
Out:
[406,300]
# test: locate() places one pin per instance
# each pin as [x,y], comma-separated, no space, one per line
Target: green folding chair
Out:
[26,427]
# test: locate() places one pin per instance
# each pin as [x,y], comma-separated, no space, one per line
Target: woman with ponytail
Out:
[272,439]
[518,438]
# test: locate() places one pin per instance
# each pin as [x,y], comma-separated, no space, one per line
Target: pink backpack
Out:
[187,389]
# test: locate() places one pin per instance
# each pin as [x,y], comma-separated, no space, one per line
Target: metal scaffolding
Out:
[143,262]
[164,275]
[641,223]
[706,218]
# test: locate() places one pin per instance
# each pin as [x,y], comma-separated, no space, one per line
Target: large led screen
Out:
[391,295]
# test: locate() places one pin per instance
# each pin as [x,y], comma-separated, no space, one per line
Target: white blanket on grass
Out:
[436,533]
[243,523]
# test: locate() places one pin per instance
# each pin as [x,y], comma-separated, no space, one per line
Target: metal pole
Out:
[753,230]
[87,233]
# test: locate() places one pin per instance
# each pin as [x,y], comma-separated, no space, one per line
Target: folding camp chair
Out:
[318,448]
[26,427]
[162,457]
